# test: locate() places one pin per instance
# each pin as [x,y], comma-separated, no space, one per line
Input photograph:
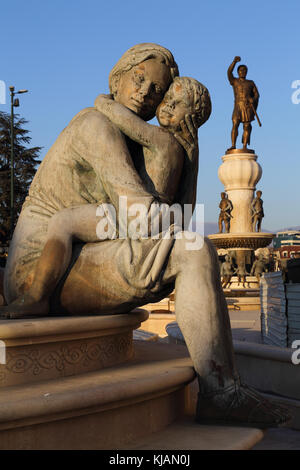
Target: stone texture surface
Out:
[279,439]
[48,348]
[188,435]
[141,405]
[99,410]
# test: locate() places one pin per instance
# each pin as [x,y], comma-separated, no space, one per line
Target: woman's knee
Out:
[192,247]
[60,224]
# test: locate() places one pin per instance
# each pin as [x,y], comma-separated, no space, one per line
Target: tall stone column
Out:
[240,173]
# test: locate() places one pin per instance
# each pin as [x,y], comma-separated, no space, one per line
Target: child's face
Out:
[174,106]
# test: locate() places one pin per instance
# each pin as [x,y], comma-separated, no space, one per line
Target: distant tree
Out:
[25,162]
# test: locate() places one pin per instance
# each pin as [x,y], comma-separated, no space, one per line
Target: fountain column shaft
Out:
[240,173]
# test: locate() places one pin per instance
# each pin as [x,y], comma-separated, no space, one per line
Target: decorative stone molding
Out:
[244,241]
[87,355]
[58,347]
[240,171]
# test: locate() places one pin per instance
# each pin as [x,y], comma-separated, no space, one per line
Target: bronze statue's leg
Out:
[258,224]
[246,134]
[202,314]
[226,223]
[220,225]
[234,133]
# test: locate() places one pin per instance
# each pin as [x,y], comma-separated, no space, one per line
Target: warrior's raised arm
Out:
[230,69]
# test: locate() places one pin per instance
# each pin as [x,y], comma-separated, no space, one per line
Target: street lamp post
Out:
[14,103]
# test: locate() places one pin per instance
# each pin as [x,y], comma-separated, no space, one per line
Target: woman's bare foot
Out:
[240,405]
[25,306]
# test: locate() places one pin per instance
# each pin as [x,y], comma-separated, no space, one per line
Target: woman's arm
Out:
[130,124]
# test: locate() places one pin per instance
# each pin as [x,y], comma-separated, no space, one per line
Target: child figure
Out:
[241,273]
[185,107]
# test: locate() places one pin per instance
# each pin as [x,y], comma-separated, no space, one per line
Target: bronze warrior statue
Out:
[257,212]
[246,99]
[225,213]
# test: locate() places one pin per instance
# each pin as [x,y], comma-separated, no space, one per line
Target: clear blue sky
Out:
[63,50]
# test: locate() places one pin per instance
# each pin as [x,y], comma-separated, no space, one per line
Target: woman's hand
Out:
[188,136]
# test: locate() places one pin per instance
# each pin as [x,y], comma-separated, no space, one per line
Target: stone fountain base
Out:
[47,348]
[241,241]
[83,383]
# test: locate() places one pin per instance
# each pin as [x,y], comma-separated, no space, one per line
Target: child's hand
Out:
[101,100]
[188,137]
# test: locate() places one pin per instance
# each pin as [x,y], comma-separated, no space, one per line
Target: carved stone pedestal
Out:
[49,348]
[83,383]
[240,172]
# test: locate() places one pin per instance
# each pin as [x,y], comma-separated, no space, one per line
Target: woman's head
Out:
[141,77]
[185,96]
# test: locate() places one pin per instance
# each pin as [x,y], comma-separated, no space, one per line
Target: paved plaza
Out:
[246,327]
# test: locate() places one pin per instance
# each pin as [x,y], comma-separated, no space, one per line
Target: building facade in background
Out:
[286,245]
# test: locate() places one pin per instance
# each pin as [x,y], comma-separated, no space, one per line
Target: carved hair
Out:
[135,56]
[199,97]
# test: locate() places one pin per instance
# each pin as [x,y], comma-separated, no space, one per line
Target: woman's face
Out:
[175,105]
[142,88]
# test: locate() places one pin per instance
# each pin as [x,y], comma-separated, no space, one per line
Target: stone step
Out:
[186,434]
[267,368]
[102,409]
[146,403]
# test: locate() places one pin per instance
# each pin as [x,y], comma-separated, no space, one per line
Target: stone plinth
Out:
[240,173]
[104,409]
[48,348]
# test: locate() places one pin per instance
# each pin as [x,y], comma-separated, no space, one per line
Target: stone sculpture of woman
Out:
[93,162]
